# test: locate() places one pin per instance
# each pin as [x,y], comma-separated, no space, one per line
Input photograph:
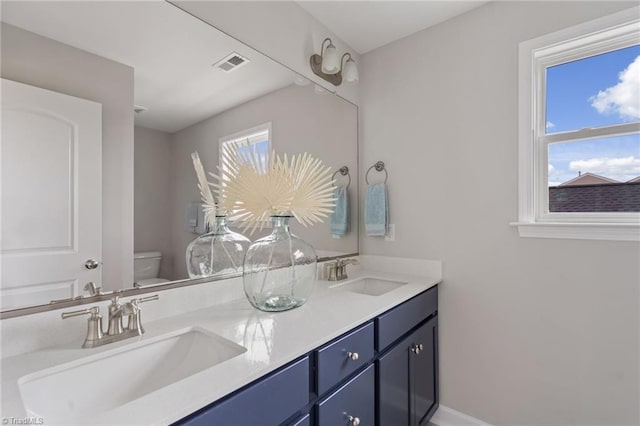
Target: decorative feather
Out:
[205,192]
[255,187]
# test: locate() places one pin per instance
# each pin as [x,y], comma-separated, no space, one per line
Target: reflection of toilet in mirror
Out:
[146,266]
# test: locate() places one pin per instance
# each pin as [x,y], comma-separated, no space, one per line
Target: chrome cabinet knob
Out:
[416,349]
[354,421]
[91,264]
[353,356]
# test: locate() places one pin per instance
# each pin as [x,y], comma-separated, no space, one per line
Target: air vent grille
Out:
[231,62]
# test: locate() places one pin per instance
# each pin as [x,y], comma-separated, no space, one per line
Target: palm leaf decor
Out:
[251,187]
[205,192]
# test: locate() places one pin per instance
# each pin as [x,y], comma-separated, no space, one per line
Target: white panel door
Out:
[51,194]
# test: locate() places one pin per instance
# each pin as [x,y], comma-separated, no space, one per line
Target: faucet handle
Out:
[94,325]
[93,289]
[331,270]
[94,311]
[135,322]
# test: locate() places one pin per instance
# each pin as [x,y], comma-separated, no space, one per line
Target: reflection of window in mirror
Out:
[256,139]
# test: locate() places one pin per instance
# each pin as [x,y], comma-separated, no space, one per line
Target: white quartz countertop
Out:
[271,339]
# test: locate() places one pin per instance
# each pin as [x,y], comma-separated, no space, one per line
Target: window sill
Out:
[580,231]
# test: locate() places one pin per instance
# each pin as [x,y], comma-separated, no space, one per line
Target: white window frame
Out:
[247,134]
[592,38]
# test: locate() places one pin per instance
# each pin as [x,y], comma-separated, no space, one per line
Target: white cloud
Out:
[621,169]
[552,169]
[622,98]
[550,125]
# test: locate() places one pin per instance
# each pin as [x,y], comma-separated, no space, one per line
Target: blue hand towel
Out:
[340,215]
[376,214]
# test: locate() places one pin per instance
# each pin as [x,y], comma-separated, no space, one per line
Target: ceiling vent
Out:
[231,62]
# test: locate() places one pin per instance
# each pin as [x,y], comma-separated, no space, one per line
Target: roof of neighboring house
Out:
[607,197]
[589,179]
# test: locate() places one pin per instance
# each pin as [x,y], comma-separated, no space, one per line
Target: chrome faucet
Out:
[337,269]
[116,330]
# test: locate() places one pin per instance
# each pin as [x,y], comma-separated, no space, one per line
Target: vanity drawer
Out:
[268,402]
[356,398]
[398,321]
[339,359]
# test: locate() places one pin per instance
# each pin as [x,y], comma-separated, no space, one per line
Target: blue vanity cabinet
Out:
[270,401]
[383,372]
[408,378]
[351,404]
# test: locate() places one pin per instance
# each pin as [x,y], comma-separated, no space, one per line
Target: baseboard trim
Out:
[446,416]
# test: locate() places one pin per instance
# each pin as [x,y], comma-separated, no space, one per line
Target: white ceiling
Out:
[171,52]
[367,25]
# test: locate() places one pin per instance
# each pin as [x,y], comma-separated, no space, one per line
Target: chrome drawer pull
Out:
[416,349]
[353,356]
[353,421]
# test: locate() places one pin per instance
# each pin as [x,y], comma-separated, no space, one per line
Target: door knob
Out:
[91,264]
[354,421]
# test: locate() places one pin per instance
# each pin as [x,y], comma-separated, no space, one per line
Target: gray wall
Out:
[325,126]
[153,189]
[532,331]
[31,59]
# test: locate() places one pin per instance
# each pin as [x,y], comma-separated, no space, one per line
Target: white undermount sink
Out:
[369,286]
[99,383]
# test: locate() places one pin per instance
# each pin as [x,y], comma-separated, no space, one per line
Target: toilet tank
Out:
[146,265]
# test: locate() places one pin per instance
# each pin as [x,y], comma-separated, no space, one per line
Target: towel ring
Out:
[379,166]
[344,171]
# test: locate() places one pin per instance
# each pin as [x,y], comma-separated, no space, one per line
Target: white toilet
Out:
[146,266]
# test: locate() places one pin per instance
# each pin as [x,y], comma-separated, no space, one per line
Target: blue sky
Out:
[593,92]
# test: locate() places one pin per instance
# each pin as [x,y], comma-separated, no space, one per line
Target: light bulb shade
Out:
[350,71]
[330,60]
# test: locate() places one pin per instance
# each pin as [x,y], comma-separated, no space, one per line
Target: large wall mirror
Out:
[72,212]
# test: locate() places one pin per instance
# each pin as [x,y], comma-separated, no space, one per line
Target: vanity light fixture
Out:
[327,65]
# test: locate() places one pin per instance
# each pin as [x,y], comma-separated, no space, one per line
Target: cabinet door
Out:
[393,386]
[423,372]
[408,379]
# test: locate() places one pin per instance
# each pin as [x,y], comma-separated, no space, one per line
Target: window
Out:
[256,139]
[579,106]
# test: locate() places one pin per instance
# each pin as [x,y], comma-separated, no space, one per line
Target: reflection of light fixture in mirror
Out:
[349,69]
[330,63]
[329,67]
